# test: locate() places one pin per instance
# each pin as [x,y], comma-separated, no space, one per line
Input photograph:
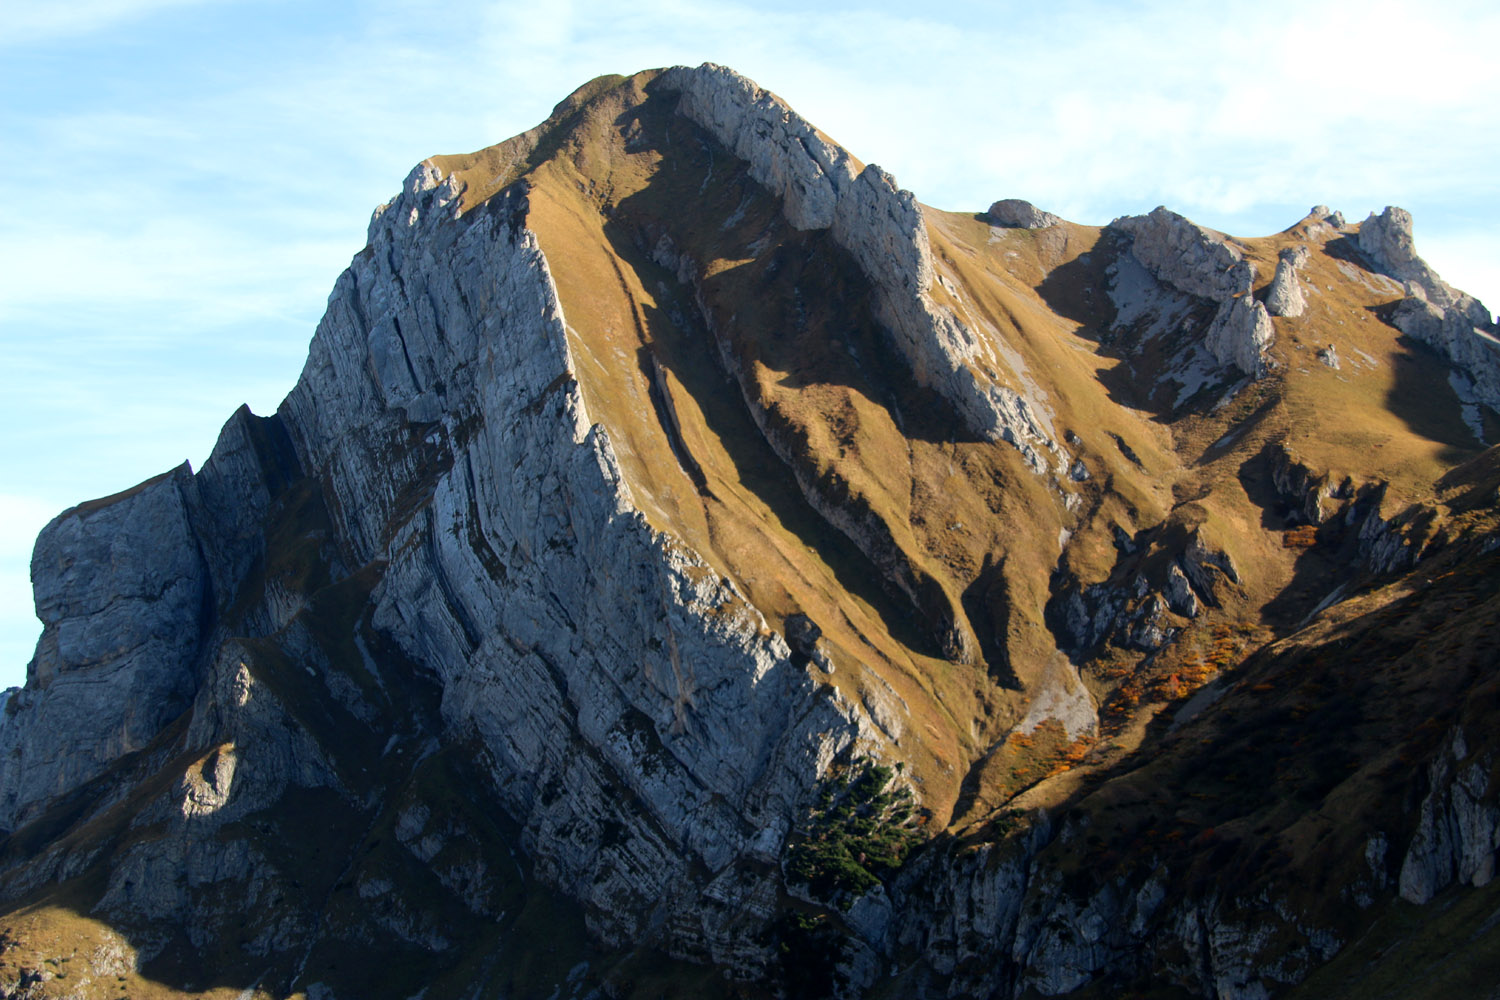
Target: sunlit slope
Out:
[731,356]
[762,416]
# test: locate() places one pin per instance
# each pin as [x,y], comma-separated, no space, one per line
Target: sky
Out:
[189,177]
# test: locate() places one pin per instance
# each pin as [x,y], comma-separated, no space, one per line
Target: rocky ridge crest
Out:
[1433,312]
[881,225]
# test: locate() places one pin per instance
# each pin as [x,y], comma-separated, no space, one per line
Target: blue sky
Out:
[188,177]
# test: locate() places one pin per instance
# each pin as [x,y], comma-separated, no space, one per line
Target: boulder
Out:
[1015,213]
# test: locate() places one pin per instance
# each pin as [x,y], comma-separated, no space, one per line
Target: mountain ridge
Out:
[675,520]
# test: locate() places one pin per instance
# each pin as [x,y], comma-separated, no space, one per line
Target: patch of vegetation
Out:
[1204,652]
[860,832]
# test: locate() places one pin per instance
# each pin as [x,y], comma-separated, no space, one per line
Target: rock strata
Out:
[440,423]
[120,588]
[531,586]
[449,656]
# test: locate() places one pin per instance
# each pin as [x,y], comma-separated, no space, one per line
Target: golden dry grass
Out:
[769,366]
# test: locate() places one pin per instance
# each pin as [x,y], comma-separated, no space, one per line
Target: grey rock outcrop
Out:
[1305,493]
[1201,263]
[1239,335]
[1285,298]
[439,421]
[584,649]
[1179,593]
[131,589]
[430,584]
[1455,324]
[1016,213]
[120,587]
[1474,349]
[1187,256]
[1387,239]
[998,921]
[255,752]
[882,226]
[1327,216]
[1128,609]
[1458,832]
[1208,568]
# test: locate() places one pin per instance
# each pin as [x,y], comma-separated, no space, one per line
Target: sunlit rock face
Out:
[688,565]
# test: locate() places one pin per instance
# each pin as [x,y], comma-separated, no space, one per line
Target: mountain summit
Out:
[689,566]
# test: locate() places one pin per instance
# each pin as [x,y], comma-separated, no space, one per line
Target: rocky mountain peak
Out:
[689,565]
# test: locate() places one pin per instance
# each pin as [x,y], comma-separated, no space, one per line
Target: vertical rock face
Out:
[1453,323]
[1387,239]
[1240,333]
[650,735]
[121,589]
[1458,834]
[585,650]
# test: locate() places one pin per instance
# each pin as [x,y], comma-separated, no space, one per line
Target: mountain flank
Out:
[690,566]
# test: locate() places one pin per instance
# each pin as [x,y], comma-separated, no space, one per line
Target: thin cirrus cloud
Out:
[196,173]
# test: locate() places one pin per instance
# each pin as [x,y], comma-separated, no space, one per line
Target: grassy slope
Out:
[608,182]
[1320,739]
[792,310]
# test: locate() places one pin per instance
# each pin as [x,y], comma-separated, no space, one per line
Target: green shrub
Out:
[861,830]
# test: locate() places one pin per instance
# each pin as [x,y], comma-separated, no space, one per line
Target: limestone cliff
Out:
[688,565]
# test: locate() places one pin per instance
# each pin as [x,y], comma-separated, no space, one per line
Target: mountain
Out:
[689,566]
